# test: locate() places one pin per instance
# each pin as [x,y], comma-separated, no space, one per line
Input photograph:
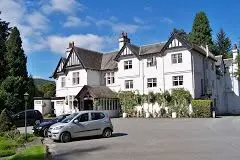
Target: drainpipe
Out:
[143,75]
[163,76]
[193,77]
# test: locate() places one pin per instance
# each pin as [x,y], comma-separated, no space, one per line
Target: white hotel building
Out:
[84,75]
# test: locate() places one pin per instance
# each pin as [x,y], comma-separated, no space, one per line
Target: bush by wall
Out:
[201,108]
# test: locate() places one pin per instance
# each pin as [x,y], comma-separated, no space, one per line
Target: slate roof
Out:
[151,48]
[107,61]
[97,92]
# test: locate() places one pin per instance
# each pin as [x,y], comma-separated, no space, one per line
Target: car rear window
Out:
[97,115]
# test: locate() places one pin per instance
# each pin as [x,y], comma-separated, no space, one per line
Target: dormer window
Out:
[177,58]
[75,78]
[151,62]
[128,64]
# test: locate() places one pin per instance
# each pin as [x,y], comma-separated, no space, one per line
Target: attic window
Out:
[151,62]
[128,64]
[177,58]
[75,78]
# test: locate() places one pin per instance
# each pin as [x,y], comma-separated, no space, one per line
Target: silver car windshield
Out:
[69,118]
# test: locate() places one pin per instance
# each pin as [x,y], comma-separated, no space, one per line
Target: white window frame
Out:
[177,80]
[75,78]
[151,62]
[127,64]
[128,84]
[151,82]
[176,58]
[109,78]
[63,82]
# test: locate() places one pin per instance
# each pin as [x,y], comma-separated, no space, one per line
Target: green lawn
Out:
[10,143]
[37,152]
[7,147]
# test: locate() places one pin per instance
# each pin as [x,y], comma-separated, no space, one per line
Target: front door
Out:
[88,104]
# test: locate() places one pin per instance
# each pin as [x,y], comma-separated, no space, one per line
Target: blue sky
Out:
[47,26]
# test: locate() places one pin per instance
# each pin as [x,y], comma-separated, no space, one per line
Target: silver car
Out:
[82,124]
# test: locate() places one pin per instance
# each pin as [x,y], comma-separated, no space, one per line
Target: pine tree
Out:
[4,32]
[6,122]
[222,44]
[180,32]
[15,55]
[201,30]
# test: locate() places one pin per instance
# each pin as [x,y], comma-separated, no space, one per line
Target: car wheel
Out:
[45,132]
[107,133]
[65,137]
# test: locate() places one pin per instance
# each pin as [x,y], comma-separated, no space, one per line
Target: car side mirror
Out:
[76,121]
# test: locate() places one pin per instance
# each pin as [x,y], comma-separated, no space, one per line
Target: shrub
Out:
[201,108]
[6,122]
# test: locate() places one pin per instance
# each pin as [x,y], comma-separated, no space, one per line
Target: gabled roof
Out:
[108,62]
[89,59]
[188,45]
[151,48]
[62,60]
[96,92]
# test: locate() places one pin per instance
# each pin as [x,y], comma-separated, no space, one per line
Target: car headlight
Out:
[39,127]
[57,128]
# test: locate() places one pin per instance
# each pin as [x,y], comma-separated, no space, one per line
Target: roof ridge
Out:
[153,44]
[88,50]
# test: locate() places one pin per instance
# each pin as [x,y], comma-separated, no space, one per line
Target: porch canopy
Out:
[95,92]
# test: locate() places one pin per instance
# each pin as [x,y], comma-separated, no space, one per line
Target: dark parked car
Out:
[33,117]
[42,128]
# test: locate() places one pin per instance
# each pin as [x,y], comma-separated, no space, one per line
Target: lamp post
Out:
[26,100]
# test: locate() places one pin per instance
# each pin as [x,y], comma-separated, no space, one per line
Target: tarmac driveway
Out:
[147,139]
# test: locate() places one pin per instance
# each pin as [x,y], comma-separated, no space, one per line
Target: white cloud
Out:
[138,20]
[75,22]
[148,8]
[118,27]
[167,20]
[37,20]
[12,11]
[58,44]
[32,24]
[64,6]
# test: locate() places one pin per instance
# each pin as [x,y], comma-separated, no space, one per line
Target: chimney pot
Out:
[235,46]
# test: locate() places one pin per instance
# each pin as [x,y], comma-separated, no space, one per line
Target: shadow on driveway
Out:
[114,135]
[82,151]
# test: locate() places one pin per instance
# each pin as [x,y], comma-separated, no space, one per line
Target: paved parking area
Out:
[154,139]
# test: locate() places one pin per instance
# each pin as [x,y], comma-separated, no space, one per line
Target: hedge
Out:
[201,108]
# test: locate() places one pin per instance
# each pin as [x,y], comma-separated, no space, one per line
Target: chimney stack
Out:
[123,39]
[70,46]
[207,50]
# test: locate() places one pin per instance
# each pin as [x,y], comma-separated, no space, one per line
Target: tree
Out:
[180,32]
[48,89]
[222,45]
[201,31]
[6,122]
[16,60]
[32,91]
[12,92]
[4,32]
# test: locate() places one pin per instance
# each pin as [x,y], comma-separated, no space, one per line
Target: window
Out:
[177,80]
[38,102]
[75,78]
[96,116]
[83,117]
[128,64]
[128,84]
[109,78]
[151,62]
[177,58]
[151,82]
[63,82]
